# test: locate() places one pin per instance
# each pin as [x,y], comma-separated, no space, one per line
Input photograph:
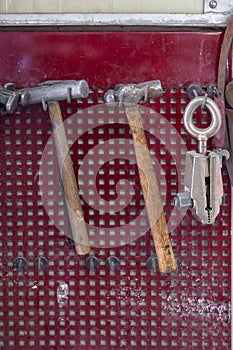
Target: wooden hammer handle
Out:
[151,194]
[75,213]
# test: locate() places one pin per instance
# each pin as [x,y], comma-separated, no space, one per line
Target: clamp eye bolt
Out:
[202,134]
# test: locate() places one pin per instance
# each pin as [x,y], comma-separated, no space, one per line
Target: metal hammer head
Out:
[53,90]
[132,94]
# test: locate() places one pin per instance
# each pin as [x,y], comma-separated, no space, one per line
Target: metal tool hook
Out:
[203,106]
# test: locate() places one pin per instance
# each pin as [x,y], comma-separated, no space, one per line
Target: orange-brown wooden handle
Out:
[76,217]
[151,194]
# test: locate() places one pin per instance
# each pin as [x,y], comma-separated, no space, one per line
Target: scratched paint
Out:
[202,308]
[132,308]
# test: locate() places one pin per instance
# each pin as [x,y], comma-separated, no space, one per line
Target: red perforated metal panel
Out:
[67,306]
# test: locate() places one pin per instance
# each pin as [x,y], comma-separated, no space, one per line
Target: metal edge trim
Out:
[116,19]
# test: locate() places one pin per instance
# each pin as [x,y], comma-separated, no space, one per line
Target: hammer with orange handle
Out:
[129,96]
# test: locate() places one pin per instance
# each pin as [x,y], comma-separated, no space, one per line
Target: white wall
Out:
[109,6]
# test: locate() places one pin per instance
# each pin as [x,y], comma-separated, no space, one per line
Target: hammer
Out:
[130,95]
[49,93]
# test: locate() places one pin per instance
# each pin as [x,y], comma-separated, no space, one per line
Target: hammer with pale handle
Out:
[49,93]
[130,95]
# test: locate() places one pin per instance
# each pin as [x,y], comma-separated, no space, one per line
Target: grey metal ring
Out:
[216,118]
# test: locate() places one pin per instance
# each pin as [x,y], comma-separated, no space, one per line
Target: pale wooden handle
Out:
[151,194]
[76,217]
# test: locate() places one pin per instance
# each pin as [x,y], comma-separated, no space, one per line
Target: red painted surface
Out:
[31,57]
[131,308]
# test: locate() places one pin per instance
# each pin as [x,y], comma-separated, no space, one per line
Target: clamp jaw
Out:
[203,179]
[203,185]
